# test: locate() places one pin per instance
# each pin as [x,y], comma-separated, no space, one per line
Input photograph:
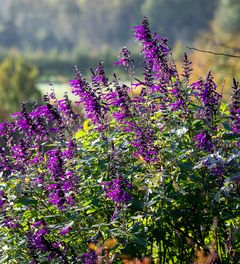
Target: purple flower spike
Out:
[187,68]
[209,97]
[235,108]
[204,141]
[90,97]
[127,60]
[89,258]
[116,191]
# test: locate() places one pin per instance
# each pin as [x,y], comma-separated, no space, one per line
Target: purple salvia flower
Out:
[121,100]
[116,191]
[52,114]
[186,68]
[148,84]
[143,33]
[64,232]
[63,183]
[41,222]
[144,146]
[32,248]
[94,110]
[5,162]
[127,60]
[65,109]
[6,132]
[21,154]
[71,149]
[217,171]
[40,242]
[235,108]
[99,79]
[89,258]
[31,124]
[204,141]
[180,96]
[209,97]
[155,52]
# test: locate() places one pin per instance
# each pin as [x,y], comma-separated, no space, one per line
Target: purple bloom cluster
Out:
[235,108]
[155,51]
[116,191]
[8,220]
[204,141]
[99,78]
[39,242]
[120,99]
[187,68]
[209,97]
[144,145]
[206,92]
[63,184]
[91,97]
[127,60]
[89,257]
[116,188]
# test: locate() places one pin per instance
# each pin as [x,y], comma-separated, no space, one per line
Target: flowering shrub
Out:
[151,172]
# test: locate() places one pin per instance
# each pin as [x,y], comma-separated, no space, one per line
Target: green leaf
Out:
[137,217]
[26,201]
[180,131]
[223,107]
[69,225]
[218,196]
[104,224]
[226,193]
[2,259]
[88,159]
[186,166]
[173,79]
[195,178]
[80,134]
[95,201]
[173,145]
[159,234]
[136,203]
[51,216]
[135,227]
[85,125]
[234,136]
[140,241]
[30,214]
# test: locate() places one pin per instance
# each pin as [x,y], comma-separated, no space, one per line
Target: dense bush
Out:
[150,176]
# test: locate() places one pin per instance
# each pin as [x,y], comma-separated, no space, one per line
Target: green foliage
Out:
[18,82]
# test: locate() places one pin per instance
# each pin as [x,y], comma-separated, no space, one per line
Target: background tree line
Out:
[73,24]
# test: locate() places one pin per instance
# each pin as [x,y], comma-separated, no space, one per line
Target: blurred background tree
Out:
[18,83]
[223,36]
